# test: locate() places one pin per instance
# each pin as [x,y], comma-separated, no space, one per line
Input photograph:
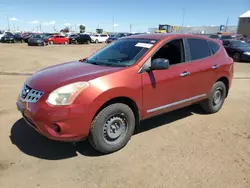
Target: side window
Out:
[198,49]
[173,51]
[213,46]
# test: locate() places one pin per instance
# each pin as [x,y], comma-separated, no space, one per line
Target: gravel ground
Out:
[184,148]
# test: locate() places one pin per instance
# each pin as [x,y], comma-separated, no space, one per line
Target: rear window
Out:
[213,46]
[103,35]
[198,49]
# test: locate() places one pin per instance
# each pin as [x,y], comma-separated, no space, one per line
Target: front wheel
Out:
[112,128]
[237,57]
[216,98]
[51,42]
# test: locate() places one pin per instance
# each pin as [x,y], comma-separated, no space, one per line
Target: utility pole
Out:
[14,28]
[113,20]
[183,17]
[226,24]
[8,23]
[54,27]
[98,26]
[130,28]
[40,25]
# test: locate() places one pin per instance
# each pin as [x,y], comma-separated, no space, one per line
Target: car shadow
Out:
[33,144]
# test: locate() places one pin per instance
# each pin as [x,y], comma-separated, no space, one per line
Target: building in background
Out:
[244,24]
[201,29]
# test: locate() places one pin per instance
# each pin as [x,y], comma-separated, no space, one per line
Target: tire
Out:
[216,98]
[51,42]
[112,128]
[88,41]
[96,41]
[237,57]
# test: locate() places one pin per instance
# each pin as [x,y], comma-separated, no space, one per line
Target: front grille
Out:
[30,95]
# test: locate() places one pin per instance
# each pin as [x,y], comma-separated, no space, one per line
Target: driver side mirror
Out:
[159,64]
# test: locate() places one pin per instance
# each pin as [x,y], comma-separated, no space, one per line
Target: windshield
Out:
[214,36]
[239,44]
[122,53]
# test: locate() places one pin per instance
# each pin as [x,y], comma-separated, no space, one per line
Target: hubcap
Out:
[115,129]
[217,96]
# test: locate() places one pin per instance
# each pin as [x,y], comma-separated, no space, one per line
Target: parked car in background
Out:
[214,36]
[11,38]
[117,36]
[26,37]
[237,49]
[2,33]
[104,97]
[37,40]
[99,38]
[72,38]
[225,37]
[80,39]
[57,39]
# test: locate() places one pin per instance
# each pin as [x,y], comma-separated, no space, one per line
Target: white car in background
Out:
[99,38]
[2,33]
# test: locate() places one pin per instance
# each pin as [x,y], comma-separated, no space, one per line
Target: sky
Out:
[118,15]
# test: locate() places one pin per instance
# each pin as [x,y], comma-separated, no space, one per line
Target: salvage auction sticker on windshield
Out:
[144,45]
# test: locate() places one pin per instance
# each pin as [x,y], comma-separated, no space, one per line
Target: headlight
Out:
[246,53]
[66,95]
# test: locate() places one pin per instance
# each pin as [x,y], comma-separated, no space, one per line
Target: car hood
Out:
[56,76]
[245,49]
[112,38]
[35,39]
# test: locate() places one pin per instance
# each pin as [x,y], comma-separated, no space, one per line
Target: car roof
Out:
[161,36]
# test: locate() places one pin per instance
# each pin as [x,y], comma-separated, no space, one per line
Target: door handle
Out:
[185,73]
[215,66]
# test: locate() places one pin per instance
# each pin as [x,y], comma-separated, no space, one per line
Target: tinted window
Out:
[198,49]
[103,35]
[213,46]
[173,51]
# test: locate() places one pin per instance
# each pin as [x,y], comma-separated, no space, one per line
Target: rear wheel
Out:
[51,42]
[112,128]
[216,98]
[237,57]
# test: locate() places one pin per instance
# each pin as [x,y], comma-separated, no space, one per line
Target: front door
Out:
[165,90]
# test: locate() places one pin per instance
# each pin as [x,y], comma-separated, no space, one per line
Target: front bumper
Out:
[64,123]
[245,57]
[36,43]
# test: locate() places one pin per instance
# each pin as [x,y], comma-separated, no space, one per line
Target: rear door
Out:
[203,65]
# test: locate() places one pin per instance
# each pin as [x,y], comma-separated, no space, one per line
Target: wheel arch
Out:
[125,100]
[225,80]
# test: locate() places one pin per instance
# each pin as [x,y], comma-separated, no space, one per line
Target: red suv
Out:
[57,39]
[104,97]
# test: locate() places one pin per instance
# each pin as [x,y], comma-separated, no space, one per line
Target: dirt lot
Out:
[184,148]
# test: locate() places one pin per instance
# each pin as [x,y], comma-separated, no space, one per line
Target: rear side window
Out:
[198,49]
[213,46]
